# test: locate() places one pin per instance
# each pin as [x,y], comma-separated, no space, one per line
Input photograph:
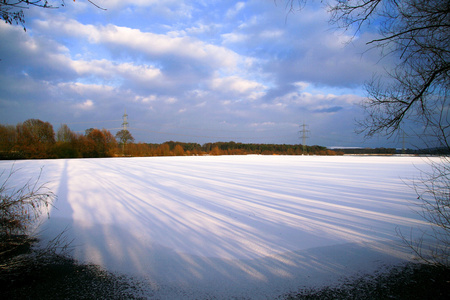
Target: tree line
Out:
[223,148]
[37,139]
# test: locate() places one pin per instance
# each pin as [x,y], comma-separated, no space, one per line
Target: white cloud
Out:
[146,99]
[271,34]
[34,56]
[142,73]
[97,67]
[229,38]
[84,89]
[119,4]
[301,85]
[170,100]
[263,124]
[106,71]
[235,84]
[314,103]
[201,28]
[86,105]
[232,12]
[151,44]
[197,93]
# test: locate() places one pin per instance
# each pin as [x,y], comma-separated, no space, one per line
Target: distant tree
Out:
[110,141]
[8,138]
[193,147]
[163,150]
[178,150]
[139,149]
[67,145]
[35,138]
[64,134]
[85,146]
[124,137]
[216,151]
[88,131]
[98,143]
[65,150]
[38,131]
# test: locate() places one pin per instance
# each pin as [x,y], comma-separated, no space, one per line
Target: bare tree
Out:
[412,96]
[64,134]
[12,11]
[433,192]
[416,90]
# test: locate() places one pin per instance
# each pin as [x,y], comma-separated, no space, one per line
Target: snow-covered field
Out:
[232,226]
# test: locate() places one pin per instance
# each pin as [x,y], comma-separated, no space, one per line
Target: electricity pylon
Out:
[125,129]
[125,123]
[304,132]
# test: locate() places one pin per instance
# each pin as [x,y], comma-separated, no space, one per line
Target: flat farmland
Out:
[232,226]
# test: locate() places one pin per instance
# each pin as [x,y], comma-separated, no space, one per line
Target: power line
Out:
[210,137]
[228,130]
[104,128]
[89,122]
[125,126]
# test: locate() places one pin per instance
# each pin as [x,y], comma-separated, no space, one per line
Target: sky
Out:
[190,71]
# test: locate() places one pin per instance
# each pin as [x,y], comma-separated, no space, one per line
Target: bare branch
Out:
[11,11]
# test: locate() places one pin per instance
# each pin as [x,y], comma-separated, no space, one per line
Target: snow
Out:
[251,227]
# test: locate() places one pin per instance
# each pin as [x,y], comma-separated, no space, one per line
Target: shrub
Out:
[20,208]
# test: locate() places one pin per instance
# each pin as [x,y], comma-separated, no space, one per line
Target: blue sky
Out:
[190,71]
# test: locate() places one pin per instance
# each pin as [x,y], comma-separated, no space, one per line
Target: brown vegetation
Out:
[37,139]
